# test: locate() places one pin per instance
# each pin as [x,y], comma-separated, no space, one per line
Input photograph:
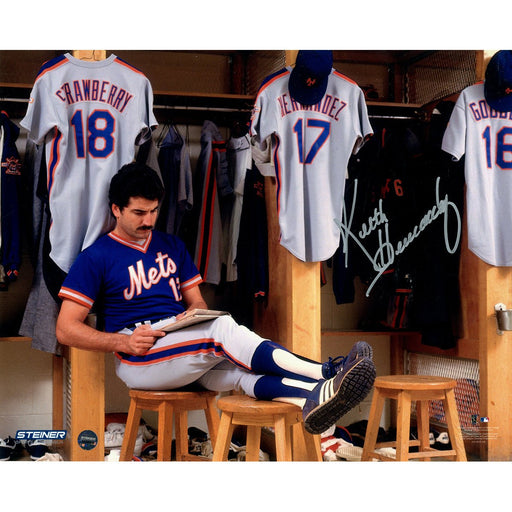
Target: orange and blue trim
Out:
[51,64]
[80,298]
[54,158]
[344,77]
[129,66]
[187,348]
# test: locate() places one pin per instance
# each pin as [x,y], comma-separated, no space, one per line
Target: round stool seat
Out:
[242,410]
[172,408]
[246,404]
[173,396]
[405,389]
[414,382]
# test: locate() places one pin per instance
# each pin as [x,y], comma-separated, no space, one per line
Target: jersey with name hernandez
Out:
[132,282]
[90,116]
[484,136]
[311,148]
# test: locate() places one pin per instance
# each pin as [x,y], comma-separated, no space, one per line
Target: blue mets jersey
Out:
[132,282]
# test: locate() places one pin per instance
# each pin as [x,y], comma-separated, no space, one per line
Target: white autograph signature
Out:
[385,255]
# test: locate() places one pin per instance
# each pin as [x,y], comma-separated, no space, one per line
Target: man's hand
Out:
[142,339]
[184,314]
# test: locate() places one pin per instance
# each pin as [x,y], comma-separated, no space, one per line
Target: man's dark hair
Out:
[134,180]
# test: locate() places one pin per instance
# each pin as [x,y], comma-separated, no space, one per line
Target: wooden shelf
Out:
[357,332]
[191,108]
[466,348]
[14,338]
[21,92]
[168,105]
[203,99]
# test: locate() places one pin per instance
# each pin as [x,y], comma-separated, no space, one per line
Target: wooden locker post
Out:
[495,365]
[57,392]
[90,55]
[482,287]
[292,316]
[87,369]
[87,405]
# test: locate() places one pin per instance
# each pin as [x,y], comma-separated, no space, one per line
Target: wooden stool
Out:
[166,403]
[254,414]
[406,389]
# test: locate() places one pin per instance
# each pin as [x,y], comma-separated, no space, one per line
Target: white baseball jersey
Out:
[311,149]
[90,115]
[484,136]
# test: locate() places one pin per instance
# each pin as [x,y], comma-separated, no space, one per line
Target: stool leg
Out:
[403,426]
[224,436]
[181,433]
[372,430]
[212,419]
[452,419]
[164,431]
[252,447]
[130,433]
[283,439]
[311,442]
[422,419]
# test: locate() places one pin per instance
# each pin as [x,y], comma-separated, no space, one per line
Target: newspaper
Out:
[192,317]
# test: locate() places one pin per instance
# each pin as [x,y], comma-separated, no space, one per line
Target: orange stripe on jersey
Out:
[134,245]
[273,79]
[126,65]
[205,229]
[54,159]
[337,73]
[67,293]
[51,68]
[191,282]
[277,166]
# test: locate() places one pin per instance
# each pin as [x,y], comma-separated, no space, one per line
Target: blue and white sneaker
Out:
[333,398]
[359,350]
[36,448]
[7,447]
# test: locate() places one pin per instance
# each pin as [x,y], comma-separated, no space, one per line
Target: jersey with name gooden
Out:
[484,136]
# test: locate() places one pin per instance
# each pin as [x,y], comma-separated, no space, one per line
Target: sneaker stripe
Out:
[340,394]
[326,391]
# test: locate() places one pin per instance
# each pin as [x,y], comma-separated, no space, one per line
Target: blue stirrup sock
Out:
[270,358]
[269,387]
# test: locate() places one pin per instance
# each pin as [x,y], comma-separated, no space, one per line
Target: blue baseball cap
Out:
[498,81]
[309,77]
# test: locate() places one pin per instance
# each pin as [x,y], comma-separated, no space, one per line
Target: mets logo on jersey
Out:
[140,279]
[12,166]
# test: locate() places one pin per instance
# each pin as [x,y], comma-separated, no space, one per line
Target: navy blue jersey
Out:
[10,185]
[132,282]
